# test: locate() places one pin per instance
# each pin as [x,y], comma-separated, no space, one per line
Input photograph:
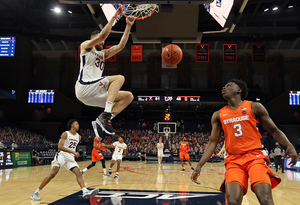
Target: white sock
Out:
[84,170]
[117,173]
[38,190]
[108,106]
[104,170]
[84,189]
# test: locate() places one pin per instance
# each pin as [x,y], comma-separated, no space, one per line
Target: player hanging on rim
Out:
[96,90]
[183,154]
[119,146]
[242,143]
[65,156]
[96,156]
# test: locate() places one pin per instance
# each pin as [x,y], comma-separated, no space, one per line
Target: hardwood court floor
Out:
[18,184]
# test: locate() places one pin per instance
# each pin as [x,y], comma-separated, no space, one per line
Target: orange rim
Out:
[139,18]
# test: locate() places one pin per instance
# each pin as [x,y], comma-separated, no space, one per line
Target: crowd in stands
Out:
[14,138]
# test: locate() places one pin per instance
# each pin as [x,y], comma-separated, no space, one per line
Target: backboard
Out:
[162,126]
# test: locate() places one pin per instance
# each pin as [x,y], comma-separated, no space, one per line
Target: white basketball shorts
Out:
[93,93]
[160,152]
[116,157]
[62,158]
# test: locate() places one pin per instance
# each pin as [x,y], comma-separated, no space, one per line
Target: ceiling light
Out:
[70,12]
[290,6]
[275,8]
[267,9]
[56,10]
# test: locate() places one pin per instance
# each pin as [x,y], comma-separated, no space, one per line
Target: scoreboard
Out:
[41,96]
[294,97]
[168,98]
[7,46]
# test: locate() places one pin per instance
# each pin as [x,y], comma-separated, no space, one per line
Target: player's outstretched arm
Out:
[61,143]
[107,146]
[117,48]
[102,35]
[211,146]
[262,114]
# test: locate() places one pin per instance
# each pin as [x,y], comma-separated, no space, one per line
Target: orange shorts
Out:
[239,167]
[97,156]
[184,155]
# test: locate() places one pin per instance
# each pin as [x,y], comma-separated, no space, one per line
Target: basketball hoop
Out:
[139,11]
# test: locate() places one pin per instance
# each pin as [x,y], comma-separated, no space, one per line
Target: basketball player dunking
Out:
[67,146]
[93,89]
[242,143]
[160,150]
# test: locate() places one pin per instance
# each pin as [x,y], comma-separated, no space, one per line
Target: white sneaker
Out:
[90,193]
[116,176]
[106,175]
[35,196]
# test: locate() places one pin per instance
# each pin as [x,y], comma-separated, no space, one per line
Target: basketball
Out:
[171,54]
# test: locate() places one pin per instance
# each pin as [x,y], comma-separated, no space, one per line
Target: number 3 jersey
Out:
[91,66]
[71,142]
[239,126]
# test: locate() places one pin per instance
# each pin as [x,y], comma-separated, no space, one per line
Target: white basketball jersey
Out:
[72,141]
[119,148]
[91,66]
[159,146]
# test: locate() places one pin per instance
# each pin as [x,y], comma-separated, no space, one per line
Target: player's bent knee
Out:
[129,97]
[121,78]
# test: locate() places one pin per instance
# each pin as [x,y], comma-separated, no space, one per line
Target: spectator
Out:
[278,153]
[14,145]
[2,145]
[35,156]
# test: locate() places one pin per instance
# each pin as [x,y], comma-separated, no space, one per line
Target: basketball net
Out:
[139,11]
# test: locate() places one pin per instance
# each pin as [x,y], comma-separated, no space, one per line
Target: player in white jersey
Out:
[160,152]
[96,90]
[67,146]
[118,154]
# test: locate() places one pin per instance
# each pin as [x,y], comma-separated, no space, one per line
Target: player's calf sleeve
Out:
[91,165]
[103,163]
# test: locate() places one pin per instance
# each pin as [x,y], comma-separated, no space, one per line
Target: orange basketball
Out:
[171,54]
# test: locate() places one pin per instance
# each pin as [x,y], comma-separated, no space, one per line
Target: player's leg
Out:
[118,168]
[181,157]
[114,86]
[52,174]
[123,99]
[85,192]
[236,183]
[112,163]
[104,167]
[190,164]
[260,181]
[263,192]
[234,193]
[95,158]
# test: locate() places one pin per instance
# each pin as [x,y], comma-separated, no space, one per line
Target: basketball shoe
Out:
[183,170]
[106,175]
[192,168]
[35,196]
[90,193]
[109,171]
[100,134]
[104,121]
[116,176]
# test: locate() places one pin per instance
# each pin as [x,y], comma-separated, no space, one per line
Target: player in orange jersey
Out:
[97,155]
[183,154]
[242,143]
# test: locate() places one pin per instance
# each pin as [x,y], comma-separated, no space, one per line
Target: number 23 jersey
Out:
[239,126]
